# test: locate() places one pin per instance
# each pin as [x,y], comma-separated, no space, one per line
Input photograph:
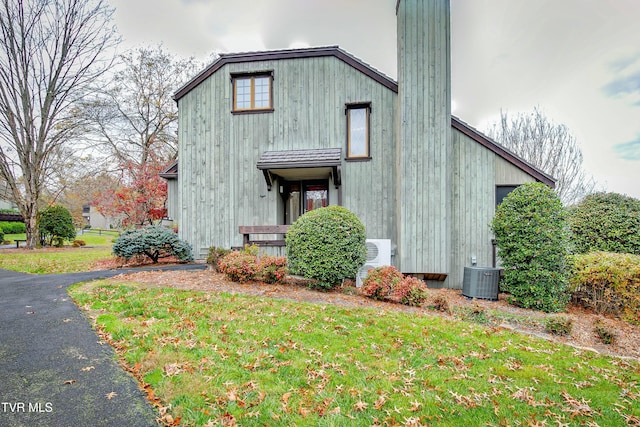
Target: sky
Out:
[576,60]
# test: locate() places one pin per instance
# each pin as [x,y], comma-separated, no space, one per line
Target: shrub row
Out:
[608,283]
[608,222]
[245,266]
[388,283]
[10,227]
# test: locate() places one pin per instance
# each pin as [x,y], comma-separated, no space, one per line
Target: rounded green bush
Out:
[532,237]
[327,245]
[55,225]
[153,241]
[607,222]
[1,236]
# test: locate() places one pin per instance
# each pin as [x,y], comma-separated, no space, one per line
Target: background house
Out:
[267,136]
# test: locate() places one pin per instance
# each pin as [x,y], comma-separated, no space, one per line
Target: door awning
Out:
[308,163]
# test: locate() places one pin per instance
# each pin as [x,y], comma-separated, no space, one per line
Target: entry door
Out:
[303,196]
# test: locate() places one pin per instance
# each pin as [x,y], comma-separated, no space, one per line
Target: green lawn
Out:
[45,261]
[231,359]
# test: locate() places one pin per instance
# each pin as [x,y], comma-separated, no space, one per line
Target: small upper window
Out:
[358,131]
[252,92]
[503,191]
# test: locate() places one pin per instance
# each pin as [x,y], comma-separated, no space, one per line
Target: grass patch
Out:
[232,359]
[98,237]
[51,261]
[13,237]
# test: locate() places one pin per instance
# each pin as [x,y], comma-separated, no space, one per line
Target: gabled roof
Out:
[273,55]
[363,67]
[501,151]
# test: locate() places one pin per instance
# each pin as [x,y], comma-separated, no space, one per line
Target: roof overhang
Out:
[275,55]
[501,151]
[171,172]
[301,164]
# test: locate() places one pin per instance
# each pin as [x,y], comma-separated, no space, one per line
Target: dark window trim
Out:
[499,186]
[251,75]
[357,106]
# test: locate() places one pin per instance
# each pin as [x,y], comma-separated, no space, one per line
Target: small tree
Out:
[326,244]
[56,225]
[606,222]
[140,200]
[154,241]
[532,236]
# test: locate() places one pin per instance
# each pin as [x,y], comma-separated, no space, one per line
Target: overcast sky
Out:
[578,60]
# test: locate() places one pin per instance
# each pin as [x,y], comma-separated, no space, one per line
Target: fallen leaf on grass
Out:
[360,406]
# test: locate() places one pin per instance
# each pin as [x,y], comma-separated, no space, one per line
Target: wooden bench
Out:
[18,242]
[248,230]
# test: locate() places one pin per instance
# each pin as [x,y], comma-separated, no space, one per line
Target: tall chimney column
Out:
[424,136]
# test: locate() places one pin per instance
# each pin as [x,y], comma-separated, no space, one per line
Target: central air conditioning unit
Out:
[378,254]
[481,282]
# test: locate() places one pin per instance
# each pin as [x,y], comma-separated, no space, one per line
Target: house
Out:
[267,136]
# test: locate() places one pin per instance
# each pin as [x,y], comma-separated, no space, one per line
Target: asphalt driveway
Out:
[54,370]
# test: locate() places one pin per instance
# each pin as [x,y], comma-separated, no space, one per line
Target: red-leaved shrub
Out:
[272,269]
[410,291]
[239,266]
[380,282]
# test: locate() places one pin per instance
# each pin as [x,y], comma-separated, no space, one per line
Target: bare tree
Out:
[51,53]
[133,115]
[549,147]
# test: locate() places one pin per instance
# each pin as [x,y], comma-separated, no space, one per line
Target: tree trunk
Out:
[30,221]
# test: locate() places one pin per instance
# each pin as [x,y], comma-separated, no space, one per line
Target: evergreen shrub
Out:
[607,222]
[608,283]
[153,241]
[13,227]
[55,225]
[326,244]
[532,236]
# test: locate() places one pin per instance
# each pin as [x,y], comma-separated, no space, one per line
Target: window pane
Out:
[262,98]
[243,93]
[358,133]
[316,196]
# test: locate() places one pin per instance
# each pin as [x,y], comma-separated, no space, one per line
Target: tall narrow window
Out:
[252,92]
[358,131]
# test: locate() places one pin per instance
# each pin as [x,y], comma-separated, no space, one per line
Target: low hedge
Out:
[12,227]
[608,283]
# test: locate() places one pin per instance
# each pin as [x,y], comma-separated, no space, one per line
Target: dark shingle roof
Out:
[312,158]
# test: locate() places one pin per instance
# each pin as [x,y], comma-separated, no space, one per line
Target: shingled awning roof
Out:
[321,159]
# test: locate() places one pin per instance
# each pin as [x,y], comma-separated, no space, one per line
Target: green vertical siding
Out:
[220,186]
[476,173]
[424,141]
